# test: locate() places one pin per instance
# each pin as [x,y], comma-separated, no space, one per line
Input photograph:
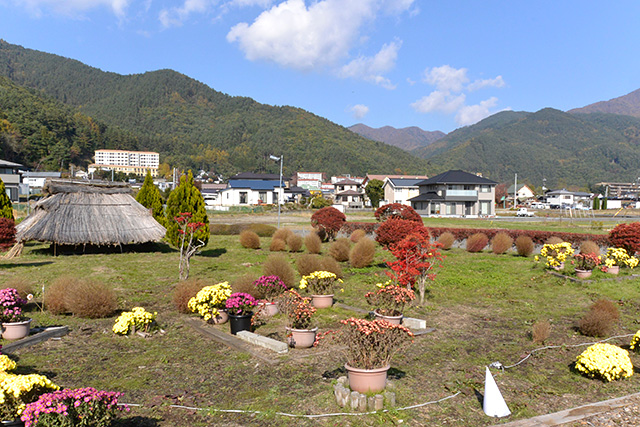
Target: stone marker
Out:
[262,341]
[412,323]
[362,403]
[379,402]
[371,403]
[390,397]
[355,399]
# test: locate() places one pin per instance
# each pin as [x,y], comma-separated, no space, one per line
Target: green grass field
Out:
[482,307]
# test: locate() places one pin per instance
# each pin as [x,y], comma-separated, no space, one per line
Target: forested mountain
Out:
[566,149]
[192,125]
[628,105]
[46,134]
[409,138]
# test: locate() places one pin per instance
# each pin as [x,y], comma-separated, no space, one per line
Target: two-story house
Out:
[349,193]
[400,190]
[10,175]
[455,193]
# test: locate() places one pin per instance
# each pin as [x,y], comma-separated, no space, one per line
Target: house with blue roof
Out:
[249,188]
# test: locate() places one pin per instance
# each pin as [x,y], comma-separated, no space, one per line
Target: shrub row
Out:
[262,230]
[538,236]
[368,227]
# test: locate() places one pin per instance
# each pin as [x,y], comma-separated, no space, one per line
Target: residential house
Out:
[349,193]
[400,190]
[455,193]
[523,194]
[35,180]
[10,175]
[560,198]
[250,188]
[369,177]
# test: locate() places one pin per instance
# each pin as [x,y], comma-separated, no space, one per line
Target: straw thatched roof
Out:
[81,212]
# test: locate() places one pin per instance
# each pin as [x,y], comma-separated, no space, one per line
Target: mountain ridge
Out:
[408,138]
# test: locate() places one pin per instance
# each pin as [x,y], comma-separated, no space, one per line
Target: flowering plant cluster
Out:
[11,305]
[82,407]
[555,254]
[390,298]
[297,308]
[635,342]
[270,286]
[619,257]
[370,344]
[605,361]
[240,304]
[585,261]
[6,364]
[210,300]
[138,319]
[320,282]
[16,391]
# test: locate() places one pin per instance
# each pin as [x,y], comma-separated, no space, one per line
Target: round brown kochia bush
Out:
[393,230]
[600,319]
[245,285]
[331,265]
[184,291]
[477,242]
[553,240]
[524,246]
[294,242]
[263,230]
[313,243]
[357,235]
[362,253]
[397,211]
[308,263]
[282,234]
[7,234]
[330,220]
[589,247]
[340,249]
[626,236]
[278,265]
[90,299]
[277,245]
[447,240]
[54,294]
[249,240]
[501,243]
[20,284]
[540,331]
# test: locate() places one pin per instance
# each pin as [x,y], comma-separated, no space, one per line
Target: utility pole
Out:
[515,192]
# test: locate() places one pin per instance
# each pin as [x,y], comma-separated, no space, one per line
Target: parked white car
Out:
[524,212]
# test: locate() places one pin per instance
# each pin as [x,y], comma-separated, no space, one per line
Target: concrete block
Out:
[390,397]
[259,340]
[362,403]
[354,399]
[371,403]
[413,323]
[379,402]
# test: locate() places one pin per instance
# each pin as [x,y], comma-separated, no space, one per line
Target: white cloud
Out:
[441,101]
[446,78]
[71,7]
[372,68]
[249,3]
[359,111]
[175,16]
[470,114]
[479,84]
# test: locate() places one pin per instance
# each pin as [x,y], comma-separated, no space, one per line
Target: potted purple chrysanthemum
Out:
[269,288]
[240,307]
[14,324]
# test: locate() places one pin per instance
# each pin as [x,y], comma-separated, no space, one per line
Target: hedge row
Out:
[539,237]
[368,227]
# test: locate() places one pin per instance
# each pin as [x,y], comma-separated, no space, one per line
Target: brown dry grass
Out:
[540,331]
[600,320]
[553,240]
[282,233]
[54,295]
[184,291]
[501,243]
[313,243]
[524,246]
[357,235]
[294,241]
[477,242]
[308,263]
[446,239]
[278,265]
[20,284]
[277,245]
[589,247]
[244,284]
[90,299]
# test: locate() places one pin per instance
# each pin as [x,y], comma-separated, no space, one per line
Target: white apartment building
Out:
[137,162]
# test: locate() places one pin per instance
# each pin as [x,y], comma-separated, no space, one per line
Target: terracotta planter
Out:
[367,380]
[240,322]
[559,267]
[322,301]
[301,338]
[613,270]
[396,320]
[268,308]
[222,317]
[583,274]
[16,330]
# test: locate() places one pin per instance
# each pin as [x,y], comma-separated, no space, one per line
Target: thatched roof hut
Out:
[89,213]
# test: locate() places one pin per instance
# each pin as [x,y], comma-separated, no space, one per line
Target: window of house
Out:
[485,189]
[435,209]
[451,208]
[262,196]
[243,197]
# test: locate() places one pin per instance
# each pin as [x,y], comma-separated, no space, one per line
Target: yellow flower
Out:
[138,318]
[6,364]
[210,299]
[605,361]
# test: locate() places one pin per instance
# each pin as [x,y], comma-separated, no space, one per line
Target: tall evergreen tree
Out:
[374,192]
[186,198]
[6,208]
[149,197]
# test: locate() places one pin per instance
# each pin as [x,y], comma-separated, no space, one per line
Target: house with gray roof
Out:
[400,190]
[455,193]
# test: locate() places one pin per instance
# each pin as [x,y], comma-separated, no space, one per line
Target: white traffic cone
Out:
[493,403]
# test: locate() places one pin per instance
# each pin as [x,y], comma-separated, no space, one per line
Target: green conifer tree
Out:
[186,198]
[149,197]
[6,208]
[596,203]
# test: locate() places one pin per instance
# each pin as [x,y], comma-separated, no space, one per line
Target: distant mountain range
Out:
[190,124]
[409,138]
[628,105]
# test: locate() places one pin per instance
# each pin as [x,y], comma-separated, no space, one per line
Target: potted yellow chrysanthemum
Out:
[320,284]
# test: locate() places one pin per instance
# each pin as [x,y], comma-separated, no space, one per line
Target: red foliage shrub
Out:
[330,220]
[626,236]
[7,234]
[394,230]
[477,242]
[397,211]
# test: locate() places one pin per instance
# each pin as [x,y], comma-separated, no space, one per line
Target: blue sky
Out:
[437,65]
